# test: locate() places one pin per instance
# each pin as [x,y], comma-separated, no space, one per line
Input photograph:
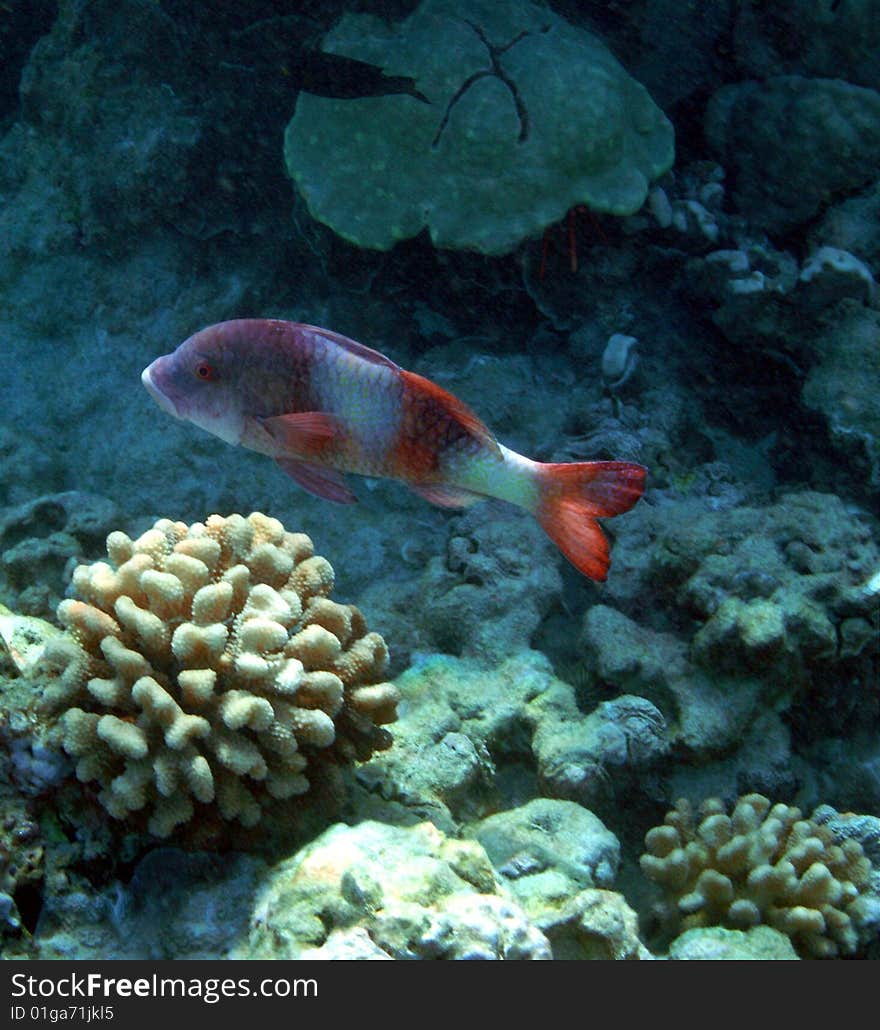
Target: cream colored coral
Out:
[206,665]
[762,863]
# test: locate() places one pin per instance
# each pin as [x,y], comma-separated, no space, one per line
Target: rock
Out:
[588,758]
[347,945]
[781,188]
[840,40]
[715,943]
[548,850]
[23,639]
[596,924]
[40,537]
[485,597]
[416,893]
[178,905]
[842,387]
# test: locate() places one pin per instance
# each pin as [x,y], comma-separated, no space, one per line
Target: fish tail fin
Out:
[573,495]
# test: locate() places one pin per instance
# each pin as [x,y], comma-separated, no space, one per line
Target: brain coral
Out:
[761,864]
[206,666]
[528,116]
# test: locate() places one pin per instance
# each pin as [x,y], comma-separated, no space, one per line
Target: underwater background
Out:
[640,231]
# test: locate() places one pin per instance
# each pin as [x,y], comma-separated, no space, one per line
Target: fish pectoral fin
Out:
[445,496]
[303,432]
[322,482]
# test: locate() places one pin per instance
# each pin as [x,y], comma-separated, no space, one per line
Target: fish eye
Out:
[205,371]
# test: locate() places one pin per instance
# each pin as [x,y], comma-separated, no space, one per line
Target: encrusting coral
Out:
[760,864]
[206,666]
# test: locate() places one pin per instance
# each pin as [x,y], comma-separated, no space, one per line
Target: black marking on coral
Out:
[495,53]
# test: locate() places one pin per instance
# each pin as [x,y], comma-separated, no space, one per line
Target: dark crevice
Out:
[28,898]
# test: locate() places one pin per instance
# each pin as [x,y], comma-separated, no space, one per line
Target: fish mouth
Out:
[162,399]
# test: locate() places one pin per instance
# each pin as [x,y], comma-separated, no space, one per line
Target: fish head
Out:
[199,382]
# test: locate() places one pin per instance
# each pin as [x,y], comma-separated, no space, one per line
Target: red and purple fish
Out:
[322,405]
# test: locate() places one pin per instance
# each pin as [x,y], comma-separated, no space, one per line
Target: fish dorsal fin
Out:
[352,346]
[451,406]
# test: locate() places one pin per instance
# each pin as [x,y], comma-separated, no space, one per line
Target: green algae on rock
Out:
[528,117]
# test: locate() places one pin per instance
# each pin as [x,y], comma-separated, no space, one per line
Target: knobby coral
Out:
[760,864]
[206,666]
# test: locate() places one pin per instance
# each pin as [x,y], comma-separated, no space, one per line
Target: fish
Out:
[323,405]
[325,74]
[319,72]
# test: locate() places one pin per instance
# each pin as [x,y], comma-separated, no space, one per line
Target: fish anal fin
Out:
[322,482]
[445,496]
[303,432]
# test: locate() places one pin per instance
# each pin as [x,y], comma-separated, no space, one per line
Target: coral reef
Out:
[785,593]
[462,725]
[370,891]
[495,582]
[476,739]
[755,607]
[545,724]
[594,758]
[528,116]
[762,863]
[206,666]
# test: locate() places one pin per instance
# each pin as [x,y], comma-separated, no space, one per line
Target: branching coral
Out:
[761,864]
[205,665]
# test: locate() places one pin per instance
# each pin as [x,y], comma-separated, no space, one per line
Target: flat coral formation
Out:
[528,116]
[205,665]
[762,864]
